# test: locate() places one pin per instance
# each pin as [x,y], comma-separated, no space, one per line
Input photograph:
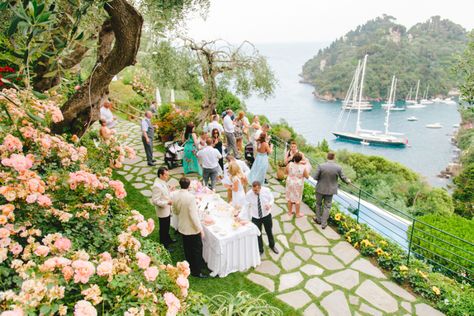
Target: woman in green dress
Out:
[190,161]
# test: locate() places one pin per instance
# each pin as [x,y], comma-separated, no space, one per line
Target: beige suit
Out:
[185,207]
[160,197]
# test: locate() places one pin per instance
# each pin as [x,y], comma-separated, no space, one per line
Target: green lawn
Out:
[233,283]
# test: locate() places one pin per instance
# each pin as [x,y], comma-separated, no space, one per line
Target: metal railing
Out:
[447,253]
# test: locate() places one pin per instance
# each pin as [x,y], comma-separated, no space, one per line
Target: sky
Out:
[270,21]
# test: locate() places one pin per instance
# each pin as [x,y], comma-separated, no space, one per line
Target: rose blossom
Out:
[83,270]
[62,244]
[173,304]
[84,308]
[183,267]
[44,200]
[16,249]
[151,273]
[16,312]
[18,162]
[42,251]
[68,272]
[4,233]
[12,143]
[143,260]
[31,198]
[105,268]
[105,256]
[183,283]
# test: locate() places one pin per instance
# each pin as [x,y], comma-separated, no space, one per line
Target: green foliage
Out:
[446,294]
[434,201]
[463,194]
[227,100]
[465,68]
[242,303]
[424,52]
[449,252]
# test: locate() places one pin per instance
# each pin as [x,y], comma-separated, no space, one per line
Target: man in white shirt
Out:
[229,133]
[259,202]
[215,125]
[209,157]
[107,115]
[161,198]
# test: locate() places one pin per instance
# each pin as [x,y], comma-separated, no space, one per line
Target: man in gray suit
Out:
[327,175]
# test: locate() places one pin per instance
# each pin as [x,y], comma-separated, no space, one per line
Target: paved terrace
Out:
[317,272]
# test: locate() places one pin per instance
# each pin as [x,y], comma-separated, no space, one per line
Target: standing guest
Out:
[226,179]
[185,207]
[290,154]
[229,133]
[255,126]
[107,115]
[190,160]
[161,197]
[217,143]
[214,124]
[223,115]
[153,107]
[260,165]
[238,183]
[259,205]
[209,157]
[297,172]
[327,175]
[239,127]
[202,140]
[264,129]
[148,132]
[105,132]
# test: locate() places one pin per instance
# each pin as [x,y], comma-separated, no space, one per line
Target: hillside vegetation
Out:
[427,52]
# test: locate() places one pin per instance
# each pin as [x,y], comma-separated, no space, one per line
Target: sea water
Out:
[429,150]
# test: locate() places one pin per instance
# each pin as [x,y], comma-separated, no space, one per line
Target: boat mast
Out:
[409,94]
[360,95]
[417,89]
[392,101]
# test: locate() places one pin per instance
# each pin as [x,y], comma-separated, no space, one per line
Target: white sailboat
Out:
[449,101]
[363,136]
[412,119]
[391,99]
[434,125]
[414,103]
[425,99]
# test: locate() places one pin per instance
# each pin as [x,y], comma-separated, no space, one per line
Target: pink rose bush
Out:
[65,228]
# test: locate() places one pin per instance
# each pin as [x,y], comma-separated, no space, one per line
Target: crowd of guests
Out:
[246,191]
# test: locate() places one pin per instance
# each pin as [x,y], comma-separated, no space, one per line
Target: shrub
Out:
[170,122]
[241,304]
[68,241]
[448,251]
[227,100]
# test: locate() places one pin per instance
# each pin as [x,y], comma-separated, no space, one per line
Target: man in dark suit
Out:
[327,175]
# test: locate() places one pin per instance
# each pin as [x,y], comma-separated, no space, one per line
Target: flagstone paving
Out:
[317,272]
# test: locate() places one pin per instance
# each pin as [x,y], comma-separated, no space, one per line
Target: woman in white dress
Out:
[239,181]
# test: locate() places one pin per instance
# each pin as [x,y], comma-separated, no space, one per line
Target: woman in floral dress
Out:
[297,172]
[190,160]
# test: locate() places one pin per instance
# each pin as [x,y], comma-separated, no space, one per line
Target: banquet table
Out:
[227,247]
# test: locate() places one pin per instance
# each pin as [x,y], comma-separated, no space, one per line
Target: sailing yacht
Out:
[391,98]
[414,103]
[425,99]
[363,136]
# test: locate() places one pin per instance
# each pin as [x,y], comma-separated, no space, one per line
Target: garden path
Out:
[317,272]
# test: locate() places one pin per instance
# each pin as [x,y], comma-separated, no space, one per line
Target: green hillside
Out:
[427,51]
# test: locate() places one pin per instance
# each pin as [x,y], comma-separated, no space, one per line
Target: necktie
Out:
[260,213]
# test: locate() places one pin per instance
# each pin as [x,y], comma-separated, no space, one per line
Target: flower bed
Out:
[448,295]
[68,241]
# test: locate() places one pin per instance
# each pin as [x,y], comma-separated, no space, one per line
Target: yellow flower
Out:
[348,238]
[356,245]
[403,268]
[366,243]
[383,243]
[424,275]
[379,251]
[436,290]
[358,227]
[337,217]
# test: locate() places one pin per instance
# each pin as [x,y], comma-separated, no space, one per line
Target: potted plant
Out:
[281,170]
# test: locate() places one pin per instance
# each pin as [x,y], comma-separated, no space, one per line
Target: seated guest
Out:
[259,202]
[185,207]
[161,197]
[107,115]
[226,179]
[209,157]
[105,133]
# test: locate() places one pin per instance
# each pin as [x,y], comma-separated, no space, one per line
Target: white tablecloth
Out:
[226,249]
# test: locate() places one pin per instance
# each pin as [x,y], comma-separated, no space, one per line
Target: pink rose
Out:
[83,270]
[68,272]
[62,244]
[173,304]
[105,256]
[84,308]
[44,200]
[42,251]
[182,282]
[77,87]
[48,265]
[143,260]
[12,143]
[16,312]
[4,233]
[105,268]
[31,198]
[151,273]
[183,267]
[18,162]
[16,249]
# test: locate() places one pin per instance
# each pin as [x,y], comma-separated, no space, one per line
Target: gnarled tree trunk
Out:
[124,25]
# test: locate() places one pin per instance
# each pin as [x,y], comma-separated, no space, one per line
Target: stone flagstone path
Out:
[317,272]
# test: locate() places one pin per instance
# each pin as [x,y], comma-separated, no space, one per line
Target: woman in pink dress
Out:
[297,172]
